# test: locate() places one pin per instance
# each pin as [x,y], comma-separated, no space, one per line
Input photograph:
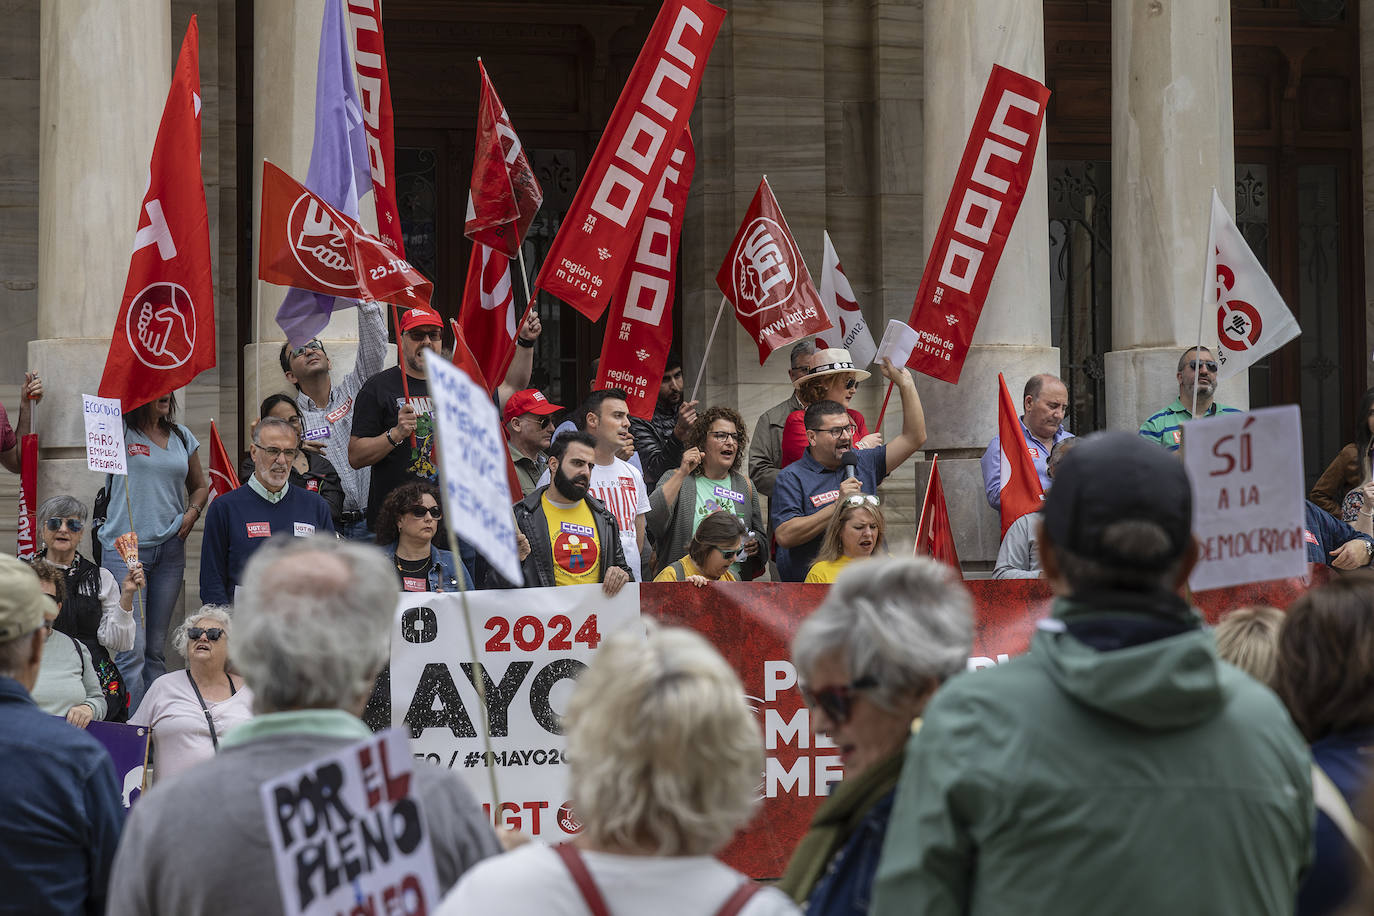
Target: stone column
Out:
[105,66]
[1172,142]
[963,39]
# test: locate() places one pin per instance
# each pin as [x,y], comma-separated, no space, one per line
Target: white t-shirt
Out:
[534,880]
[181,736]
[621,487]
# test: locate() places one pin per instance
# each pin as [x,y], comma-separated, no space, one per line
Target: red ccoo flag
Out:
[488,313]
[165,333]
[222,476]
[934,536]
[503,195]
[1021,492]
[766,280]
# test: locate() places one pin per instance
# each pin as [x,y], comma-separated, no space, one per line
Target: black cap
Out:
[1114,477]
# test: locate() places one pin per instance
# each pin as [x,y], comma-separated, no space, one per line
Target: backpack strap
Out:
[737,901]
[577,868]
[78,647]
[679,570]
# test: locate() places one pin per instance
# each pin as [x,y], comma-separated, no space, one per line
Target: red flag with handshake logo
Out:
[306,243]
[165,333]
[766,280]
[602,228]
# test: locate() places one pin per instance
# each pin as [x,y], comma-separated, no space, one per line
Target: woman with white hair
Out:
[191,710]
[664,765]
[868,660]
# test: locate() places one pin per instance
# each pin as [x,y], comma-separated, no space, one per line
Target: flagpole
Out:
[709,341]
[925,501]
[401,364]
[1208,283]
[887,397]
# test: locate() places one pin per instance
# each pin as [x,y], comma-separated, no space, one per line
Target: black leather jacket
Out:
[538,566]
[659,450]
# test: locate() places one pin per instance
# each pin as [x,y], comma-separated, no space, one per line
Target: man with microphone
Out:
[805,492]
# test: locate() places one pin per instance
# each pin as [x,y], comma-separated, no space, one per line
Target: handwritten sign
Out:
[472,465]
[348,835]
[897,343]
[1247,496]
[532,643]
[104,435]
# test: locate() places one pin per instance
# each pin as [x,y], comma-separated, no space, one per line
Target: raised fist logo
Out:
[161,326]
[763,270]
[318,245]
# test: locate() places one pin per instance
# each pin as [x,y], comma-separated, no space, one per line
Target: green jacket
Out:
[1151,779]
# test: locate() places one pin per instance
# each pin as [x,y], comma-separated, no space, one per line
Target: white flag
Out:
[1252,320]
[843,311]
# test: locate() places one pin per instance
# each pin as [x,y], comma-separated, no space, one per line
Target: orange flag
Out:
[934,536]
[1021,492]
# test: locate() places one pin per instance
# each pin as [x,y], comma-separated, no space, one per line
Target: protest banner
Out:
[348,835]
[1248,512]
[602,227]
[472,465]
[104,435]
[639,332]
[374,85]
[127,746]
[26,529]
[530,645]
[842,308]
[988,188]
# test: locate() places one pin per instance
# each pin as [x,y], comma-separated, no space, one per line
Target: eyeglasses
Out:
[1207,364]
[836,431]
[544,422]
[432,512]
[74,525]
[721,436]
[729,554]
[836,702]
[274,453]
[860,499]
[311,345]
[420,336]
[213,633]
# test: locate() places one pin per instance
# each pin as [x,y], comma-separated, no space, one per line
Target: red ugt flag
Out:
[165,333]
[487,315]
[1021,492]
[503,195]
[222,476]
[766,280]
[934,536]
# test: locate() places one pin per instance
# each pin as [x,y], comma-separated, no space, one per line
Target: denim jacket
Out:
[443,570]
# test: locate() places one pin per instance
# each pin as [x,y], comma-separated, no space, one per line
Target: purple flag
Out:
[339,170]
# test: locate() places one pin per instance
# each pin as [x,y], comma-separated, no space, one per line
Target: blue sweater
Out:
[241,521]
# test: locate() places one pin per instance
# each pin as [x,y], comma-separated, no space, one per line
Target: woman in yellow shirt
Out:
[713,548]
[855,532]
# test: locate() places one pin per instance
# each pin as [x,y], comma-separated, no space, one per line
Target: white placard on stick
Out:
[1248,512]
[472,466]
[348,834]
[104,435]
[897,343]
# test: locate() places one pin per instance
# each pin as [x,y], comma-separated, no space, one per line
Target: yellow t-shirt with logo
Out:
[576,548]
[827,570]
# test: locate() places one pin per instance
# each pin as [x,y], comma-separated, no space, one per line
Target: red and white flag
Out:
[1021,492]
[462,356]
[1252,319]
[27,530]
[503,195]
[842,308]
[934,535]
[487,314]
[165,333]
[306,243]
[222,476]
[766,280]
[983,203]
[599,234]
[374,90]
[639,332]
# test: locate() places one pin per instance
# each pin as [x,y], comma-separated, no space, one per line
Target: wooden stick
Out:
[709,340]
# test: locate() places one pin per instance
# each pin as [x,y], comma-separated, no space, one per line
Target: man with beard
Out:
[573,537]
[1197,368]
[660,440]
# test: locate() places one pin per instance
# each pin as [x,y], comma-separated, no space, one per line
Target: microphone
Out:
[849,461]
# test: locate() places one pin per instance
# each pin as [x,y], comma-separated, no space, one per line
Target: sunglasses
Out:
[213,633]
[311,345]
[836,702]
[421,336]
[729,554]
[860,499]
[544,421]
[74,525]
[432,512]
[1207,364]
[851,384]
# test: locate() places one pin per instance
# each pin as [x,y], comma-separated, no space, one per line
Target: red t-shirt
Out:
[794,434]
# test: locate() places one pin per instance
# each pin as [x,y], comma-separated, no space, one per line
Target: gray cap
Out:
[22,602]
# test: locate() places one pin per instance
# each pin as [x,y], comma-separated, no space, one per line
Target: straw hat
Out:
[834,361]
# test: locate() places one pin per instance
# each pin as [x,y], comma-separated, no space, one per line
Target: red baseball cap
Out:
[531,400]
[419,318]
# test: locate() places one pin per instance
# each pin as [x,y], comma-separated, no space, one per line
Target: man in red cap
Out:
[528,418]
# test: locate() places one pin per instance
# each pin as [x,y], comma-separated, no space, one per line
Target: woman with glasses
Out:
[166,489]
[310,470]
[855,532]
[867,662]
[832,377]
[709,479]
[67,684]
[406,525]
[710,553]
[190,711]
[97,611]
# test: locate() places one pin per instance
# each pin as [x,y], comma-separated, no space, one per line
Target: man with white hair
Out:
[60,813]
[312,626]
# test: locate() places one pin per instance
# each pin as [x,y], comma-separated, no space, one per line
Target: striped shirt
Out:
[1163,427]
